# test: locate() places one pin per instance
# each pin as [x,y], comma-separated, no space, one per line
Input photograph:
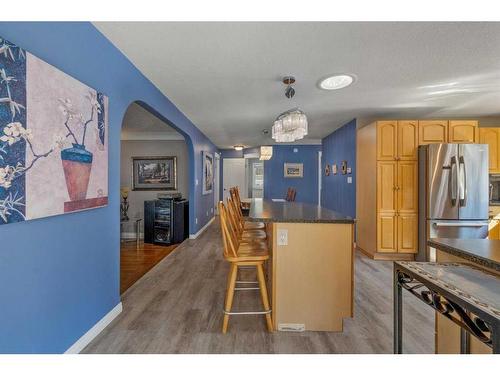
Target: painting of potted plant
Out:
[53,140]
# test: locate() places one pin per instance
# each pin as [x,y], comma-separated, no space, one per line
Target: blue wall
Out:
[60,275]
[336,193]
[275,185]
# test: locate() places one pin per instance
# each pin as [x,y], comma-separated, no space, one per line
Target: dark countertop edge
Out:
[303,221]
[486,262]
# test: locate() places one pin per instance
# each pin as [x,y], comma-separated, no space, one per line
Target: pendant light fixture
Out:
[290,125]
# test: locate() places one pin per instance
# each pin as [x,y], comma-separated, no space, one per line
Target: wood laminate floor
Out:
[177,308]
[137,259]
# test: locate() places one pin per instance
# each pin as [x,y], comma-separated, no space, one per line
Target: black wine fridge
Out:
[165,221]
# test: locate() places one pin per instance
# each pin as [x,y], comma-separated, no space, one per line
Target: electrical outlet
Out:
[207,213]
[282,237]
[349,180]
[196,182]
[212,210]
[196,220]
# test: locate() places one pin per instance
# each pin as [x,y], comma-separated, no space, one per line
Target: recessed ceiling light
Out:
[238,147]
[338,81]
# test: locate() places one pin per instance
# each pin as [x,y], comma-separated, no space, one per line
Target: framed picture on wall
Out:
[154,173]
[293,170]
[208,172]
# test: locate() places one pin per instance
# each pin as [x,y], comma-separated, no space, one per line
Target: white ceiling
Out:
[139,124]
[226,77]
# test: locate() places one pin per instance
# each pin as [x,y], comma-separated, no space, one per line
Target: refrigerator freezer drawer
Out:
[458,229]
[454,229]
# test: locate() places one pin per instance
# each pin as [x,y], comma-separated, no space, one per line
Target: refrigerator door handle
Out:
[460,224]
[462,182]
[452,183]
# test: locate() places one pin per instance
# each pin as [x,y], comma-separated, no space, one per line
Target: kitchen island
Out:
[311,265]
[481,253]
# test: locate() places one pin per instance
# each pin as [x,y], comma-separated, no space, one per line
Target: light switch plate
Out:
[282,237]
[349,180]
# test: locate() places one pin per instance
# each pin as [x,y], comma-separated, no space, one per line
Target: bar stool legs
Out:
[231,287]
[264,296]
[231,284]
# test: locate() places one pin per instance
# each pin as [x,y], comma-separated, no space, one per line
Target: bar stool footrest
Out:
[246,312]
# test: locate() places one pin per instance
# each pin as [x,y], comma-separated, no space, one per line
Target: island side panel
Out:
[448,333]
[313,275]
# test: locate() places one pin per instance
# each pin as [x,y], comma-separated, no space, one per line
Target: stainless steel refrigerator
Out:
[453,193]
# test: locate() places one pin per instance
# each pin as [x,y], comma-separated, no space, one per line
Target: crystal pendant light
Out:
[291,125]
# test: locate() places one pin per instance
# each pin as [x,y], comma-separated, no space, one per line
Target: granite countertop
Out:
[293,212]
[477,287]
[478,250]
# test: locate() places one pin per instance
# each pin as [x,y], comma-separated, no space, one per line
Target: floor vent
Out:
[291,327]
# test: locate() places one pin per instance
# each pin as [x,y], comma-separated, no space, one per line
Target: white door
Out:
[233,174]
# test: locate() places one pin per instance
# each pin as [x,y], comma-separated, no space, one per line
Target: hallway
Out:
[177,308]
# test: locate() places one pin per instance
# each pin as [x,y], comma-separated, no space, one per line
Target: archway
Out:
[154,191]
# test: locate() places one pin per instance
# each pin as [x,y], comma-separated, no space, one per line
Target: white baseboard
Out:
[197,234]
[131,235]
[83,341]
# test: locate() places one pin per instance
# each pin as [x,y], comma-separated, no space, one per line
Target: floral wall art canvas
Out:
[53,140]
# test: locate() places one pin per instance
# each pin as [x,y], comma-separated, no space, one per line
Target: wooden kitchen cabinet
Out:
[386,187]
[463,131]
[397,140]
[494,229]
[407,233]
[407,186]
[387,138]
[491,136]
[407,140]
[432,131]
[387,233]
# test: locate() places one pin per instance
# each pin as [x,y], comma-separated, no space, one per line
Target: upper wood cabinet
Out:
[463,132]
[397,140]
[491,136]
[407,140]
[432,131]
[387,138]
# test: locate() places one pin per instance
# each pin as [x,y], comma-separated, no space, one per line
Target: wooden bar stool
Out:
[235,196]
[240,254]
[245,235]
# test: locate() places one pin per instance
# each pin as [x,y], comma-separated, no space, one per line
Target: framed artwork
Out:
[327,170]
[344,167]
[293,170]
[334,168]
[53,140]
[154,173]
[208,172]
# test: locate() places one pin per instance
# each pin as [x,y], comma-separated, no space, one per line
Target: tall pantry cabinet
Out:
[387,181]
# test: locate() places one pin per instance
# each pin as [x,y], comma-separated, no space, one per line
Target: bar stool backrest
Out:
[236,222]
[229,239]
[235,196]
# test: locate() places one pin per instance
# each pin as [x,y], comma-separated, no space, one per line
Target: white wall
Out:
[155,148]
